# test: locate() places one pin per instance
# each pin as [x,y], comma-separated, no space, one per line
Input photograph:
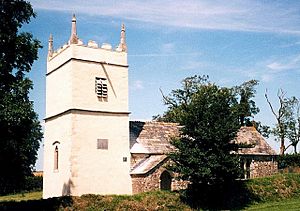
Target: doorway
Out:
[165,181]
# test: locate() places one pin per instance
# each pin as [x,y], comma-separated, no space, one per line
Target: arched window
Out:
[165,181]
[56,158]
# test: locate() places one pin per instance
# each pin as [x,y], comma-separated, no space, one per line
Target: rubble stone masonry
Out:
[263,168]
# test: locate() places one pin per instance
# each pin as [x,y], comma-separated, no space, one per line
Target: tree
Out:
[283,117]
[19,126]
[264,130]
[203,156]
[293,127]
[181,98]
[246,107]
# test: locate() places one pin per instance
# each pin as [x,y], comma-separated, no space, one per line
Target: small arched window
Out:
[56,158]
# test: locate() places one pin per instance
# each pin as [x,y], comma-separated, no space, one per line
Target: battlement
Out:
[90,44]
[86,53]
[74,40]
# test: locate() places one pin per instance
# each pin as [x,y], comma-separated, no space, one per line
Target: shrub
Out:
[288,160]
[33,183]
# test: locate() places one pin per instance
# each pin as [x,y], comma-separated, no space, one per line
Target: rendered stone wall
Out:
[100,171]
[57,133]
[76,117]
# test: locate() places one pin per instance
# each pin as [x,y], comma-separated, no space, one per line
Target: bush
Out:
[288,160]
[33,183]
[30,183]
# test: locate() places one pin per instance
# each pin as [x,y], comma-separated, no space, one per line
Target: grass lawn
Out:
[150,201]
[22,197]
[285,204]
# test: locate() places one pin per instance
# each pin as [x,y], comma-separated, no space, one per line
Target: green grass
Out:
[22,197]
[277,187]
[279,192]
[158,200]
[286,204]
[155,200]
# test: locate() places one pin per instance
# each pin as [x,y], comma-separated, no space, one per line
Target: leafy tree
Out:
[181,98]
[203,156]
[246,107]
[293,128]
[19,126]
[283,118]
[264,130]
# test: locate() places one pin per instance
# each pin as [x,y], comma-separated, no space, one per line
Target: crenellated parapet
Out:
[75,40]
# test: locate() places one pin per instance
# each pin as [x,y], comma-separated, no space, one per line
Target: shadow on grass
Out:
[42,204]
[233,196]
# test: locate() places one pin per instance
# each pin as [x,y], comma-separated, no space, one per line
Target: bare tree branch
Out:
[288,146]
[272,109]
[166,99]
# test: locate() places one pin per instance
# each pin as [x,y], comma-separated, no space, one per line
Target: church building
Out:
[90,146]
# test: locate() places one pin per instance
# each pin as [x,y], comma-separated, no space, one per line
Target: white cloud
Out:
[226,81]
[269,70]
[168,48]
[258,71]
[290,44]
[288,64]
[247,15]
[266,77]
[193,65]
[137,85]
[164,54]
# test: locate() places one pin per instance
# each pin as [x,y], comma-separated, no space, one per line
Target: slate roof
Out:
[147,164]
[249,135]
[152,137]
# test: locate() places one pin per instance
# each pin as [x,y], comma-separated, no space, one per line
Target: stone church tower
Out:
[86,146]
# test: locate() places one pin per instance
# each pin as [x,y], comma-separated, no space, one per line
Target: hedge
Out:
[288,160]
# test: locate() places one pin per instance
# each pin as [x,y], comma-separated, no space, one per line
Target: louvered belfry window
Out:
[101,87]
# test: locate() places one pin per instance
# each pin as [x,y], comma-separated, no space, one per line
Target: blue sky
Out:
[169,40]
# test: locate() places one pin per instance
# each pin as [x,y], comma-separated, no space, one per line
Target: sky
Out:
[231,41]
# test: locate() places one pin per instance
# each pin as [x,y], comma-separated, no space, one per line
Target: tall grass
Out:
[274,188]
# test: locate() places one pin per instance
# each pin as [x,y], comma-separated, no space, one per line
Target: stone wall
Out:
[263,168]
[259,165]
[178,184]
[151,181]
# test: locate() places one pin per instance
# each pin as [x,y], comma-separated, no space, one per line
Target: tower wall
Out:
[101,171]
[90,131]
[58,89]
[57,134]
